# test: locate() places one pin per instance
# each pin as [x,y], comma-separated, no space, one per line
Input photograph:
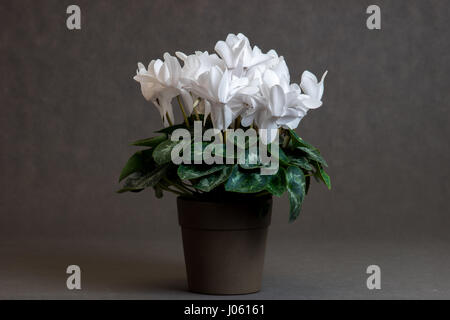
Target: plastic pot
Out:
[224,243]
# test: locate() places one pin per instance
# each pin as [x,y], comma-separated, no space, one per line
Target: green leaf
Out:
[194,171]
[143,181]
[140,161]
[134,164]
[243,144]
[284,159]
[277,183]
[323,176]
[313,155]
[312,152]
[299,142]
[169,130]
[197,149]
[213,180]
[150,142]
[301,162]
[252,161]
[218,151]
[162,153]
[221,152]
[296,190]
[245,182]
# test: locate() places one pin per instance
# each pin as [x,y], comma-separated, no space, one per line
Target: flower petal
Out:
[188,102]
[215,76]
[321,84]
[309,84]
[268,133]
[181,55]
[224,52]
[224,86]
[277,101]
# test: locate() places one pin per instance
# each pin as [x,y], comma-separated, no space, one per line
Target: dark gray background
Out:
[70,108]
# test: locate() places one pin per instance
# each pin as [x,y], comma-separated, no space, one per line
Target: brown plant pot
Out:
[224,243]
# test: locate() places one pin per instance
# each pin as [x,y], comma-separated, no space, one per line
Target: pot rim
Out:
[240,197]
[224,215]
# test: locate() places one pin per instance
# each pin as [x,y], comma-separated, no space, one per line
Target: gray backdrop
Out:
[70,108]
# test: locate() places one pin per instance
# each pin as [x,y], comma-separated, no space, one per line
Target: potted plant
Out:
[234,150]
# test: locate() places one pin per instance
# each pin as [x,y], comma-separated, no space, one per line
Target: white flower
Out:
[275,63]
[160,83]
[280,104]
[237,81]
[313,89]
[224,94]
[284,109]
[195,65]
[198,63]
[238,54]
[264,76]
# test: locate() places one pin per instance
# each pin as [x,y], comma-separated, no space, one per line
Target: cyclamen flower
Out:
[275,63]
[279,105]
[238,54]
[198,63]
[224,95]
[313,88]
[160,83]
[237,81]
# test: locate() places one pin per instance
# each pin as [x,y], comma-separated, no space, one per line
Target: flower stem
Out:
[169,120]
[182,111]
[237,123]
[194,108]
[286,141]
[196,103]
[197,116]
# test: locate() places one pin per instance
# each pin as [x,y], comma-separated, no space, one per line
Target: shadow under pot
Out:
[224,243]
